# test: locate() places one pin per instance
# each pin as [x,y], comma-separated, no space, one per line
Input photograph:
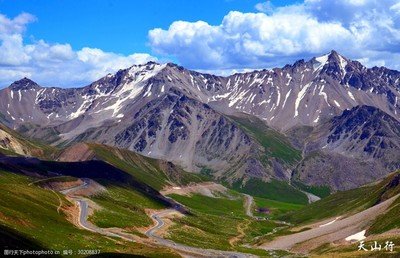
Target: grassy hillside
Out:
[123,208]
[273,190]
[217,223]
[344,204]
[276,145]
[12,239]
[213,223]
[276,208]
[387,221]
[211,205]
[320,191]
[390,219]
[152,172]
[29,218]
[351,201]
[118,206]
[102,172]
[63,179]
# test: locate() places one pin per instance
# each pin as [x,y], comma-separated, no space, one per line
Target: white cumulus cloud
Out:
[265,7]
[360,29]
[54,64]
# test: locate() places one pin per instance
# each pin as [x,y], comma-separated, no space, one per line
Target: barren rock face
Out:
[8,142]
[75,153]
[140,109]
[359,146]
[168,112]
[305,93]
[364,132]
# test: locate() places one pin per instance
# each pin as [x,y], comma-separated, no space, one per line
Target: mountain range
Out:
[338,120]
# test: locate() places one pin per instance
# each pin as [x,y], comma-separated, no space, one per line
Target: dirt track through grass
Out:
[339,229]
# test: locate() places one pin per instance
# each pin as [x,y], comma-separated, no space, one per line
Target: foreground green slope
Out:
[218,222]
[390,219]
[349,202]
[124,208]
[118,206]
[387,221]
[156,173]
[36,218]
[317,243]
[274,190]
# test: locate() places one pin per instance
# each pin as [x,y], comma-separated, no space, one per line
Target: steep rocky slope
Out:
[366,132]
[176,128]
[167,112]
[12,143]
[305,93]
[359,146]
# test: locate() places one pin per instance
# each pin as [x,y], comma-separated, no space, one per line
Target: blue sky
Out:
[71,43]
[116,25]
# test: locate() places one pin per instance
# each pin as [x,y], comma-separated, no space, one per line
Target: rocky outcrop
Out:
[359,146]
[337,171]
[364,132]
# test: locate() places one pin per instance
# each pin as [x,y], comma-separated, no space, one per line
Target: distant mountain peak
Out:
[336,57]
[147,70]
[330,58]
[305,93]
[24,84]
[146,66]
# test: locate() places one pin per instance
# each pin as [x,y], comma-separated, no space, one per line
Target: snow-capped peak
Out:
[146,71]
[320,62]
[342,62]
[333,56]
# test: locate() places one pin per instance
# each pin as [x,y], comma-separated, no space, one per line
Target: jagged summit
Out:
[332,59]
[331,55]
[152,66]
[148,66]
[24,84]
[306,93]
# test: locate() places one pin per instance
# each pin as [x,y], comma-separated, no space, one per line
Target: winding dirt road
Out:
[300,242]
[151,233]
[184,248]
[337,229]
[83,212]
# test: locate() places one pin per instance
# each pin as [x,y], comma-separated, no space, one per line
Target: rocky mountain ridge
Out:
[300,94]
[167,112]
